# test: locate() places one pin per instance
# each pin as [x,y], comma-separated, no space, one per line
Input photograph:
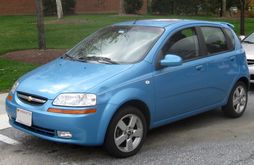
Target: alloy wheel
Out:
[128,133]
[239,99]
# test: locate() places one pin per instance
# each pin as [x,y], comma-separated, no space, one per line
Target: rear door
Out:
[222,66]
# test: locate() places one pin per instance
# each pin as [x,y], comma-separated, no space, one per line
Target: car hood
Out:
[249,50]
[61,76]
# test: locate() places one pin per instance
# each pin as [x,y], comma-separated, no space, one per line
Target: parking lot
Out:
[209,138]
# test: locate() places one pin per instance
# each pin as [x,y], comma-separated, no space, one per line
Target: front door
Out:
[181,89]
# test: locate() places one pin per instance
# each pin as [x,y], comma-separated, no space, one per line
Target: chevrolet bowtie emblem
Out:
[29,98]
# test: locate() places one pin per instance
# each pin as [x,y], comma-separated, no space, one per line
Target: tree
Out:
[132,6]
[67,7]
[242,19]
[121,7]
[59,9]
[224,8]
[40,24]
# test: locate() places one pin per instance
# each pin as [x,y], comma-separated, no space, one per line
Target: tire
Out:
[126,132]
[237,101]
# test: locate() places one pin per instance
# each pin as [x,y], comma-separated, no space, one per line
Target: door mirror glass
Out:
[171,60]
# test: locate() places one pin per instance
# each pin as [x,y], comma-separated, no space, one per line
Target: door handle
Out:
[199,67]
[232,58]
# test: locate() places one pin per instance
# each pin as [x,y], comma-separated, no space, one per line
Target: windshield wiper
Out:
[249,42]
[97,59]
[69,57]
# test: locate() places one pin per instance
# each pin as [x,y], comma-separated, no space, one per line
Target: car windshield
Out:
[116,44]
[249,39]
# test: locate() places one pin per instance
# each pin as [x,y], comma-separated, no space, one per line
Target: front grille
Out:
[36,129]
[31,99]
[250,62]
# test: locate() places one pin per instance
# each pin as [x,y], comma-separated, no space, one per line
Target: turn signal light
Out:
[64,111]
[9,97]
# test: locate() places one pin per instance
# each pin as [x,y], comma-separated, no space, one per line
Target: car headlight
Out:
[14,87]
[75,100]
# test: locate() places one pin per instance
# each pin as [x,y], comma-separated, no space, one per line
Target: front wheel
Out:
[237,101]
[126,132]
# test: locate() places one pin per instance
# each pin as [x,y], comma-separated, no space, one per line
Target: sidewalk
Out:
[2,102]
[3,117]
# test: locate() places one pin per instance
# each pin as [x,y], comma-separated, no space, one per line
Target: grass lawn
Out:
[10,71]
[19,32]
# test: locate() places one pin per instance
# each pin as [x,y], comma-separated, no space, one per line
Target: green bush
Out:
[50,7]
[132,6]
[185,7]
[162,6]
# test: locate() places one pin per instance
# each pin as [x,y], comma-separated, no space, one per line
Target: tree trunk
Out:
[40,24]
[173,7]
[221,6]
[242,19]
[59,9]
[224,8]
[121,7]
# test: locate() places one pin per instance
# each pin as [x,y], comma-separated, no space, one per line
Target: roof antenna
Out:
[135,22]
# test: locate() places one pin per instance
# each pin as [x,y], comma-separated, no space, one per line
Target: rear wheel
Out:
[126,132]
[237,101]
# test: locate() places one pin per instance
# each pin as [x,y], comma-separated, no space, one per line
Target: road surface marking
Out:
[4,121]
[8,140]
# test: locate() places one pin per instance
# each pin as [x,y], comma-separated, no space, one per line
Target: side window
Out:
[183,43]
[231,38]
[215,40]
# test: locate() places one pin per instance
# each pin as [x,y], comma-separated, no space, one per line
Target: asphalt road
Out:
[209,139]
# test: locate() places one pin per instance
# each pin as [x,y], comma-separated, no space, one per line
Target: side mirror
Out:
[241,37]
[171,60]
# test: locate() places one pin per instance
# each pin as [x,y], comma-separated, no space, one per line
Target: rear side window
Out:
[183,43]
[231,38]
[215,40]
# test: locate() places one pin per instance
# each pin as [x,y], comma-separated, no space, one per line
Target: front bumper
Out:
[84,128]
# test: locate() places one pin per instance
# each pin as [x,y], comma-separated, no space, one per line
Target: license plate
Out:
[24,117]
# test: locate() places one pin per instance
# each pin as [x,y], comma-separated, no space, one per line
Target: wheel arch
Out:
[229,109]
[244,80]
[139,105]
[128,97]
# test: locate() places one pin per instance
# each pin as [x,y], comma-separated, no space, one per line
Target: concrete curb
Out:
[2,102]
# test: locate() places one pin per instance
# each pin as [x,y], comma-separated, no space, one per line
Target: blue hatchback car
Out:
[130,77]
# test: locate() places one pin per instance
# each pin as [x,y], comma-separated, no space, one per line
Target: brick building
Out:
[27,7]
[17,7]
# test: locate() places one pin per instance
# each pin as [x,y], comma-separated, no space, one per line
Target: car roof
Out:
[169,22]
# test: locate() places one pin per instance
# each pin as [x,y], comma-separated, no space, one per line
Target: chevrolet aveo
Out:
[130,77]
